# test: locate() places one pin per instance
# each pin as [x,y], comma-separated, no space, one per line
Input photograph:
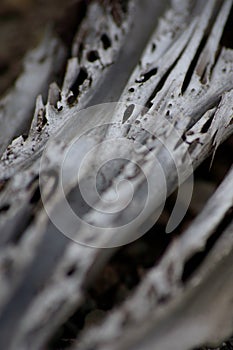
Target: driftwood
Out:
[176,107]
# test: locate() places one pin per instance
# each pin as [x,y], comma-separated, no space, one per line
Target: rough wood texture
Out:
[40,66]
[169,302]
[184,80]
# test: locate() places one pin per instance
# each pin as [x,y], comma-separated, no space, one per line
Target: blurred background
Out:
[22,25]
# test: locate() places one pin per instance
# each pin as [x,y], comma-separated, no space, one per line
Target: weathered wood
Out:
[40,67]
[162,303]
[17,257]
[180,90]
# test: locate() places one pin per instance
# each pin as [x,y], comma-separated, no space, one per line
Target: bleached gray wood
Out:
[36,251]
[40,67]
[162,293]
[19,189]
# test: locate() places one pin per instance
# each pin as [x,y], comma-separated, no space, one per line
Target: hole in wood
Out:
[106,41]
[93,56]
[5,208]
[128,112]
[71,270]
[147,75]
[82,76]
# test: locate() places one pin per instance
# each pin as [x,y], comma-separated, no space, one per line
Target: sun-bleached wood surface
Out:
[172,78]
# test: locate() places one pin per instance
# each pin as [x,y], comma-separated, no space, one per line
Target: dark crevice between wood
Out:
[162,82]
[75,87]
[217,56]
[106,41]
[113,284]
[226,39]
[36,196]
[158,88]
[193,65]
[200,111]
[66,29]
[195,261]
[146,76]
[198,114]
[80,51]
[205,174]
[207,125]
[216,170]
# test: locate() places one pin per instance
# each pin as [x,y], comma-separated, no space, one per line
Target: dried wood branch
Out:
[183,82]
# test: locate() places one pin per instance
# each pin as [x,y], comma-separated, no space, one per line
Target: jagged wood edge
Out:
[50,118]
[39,67]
